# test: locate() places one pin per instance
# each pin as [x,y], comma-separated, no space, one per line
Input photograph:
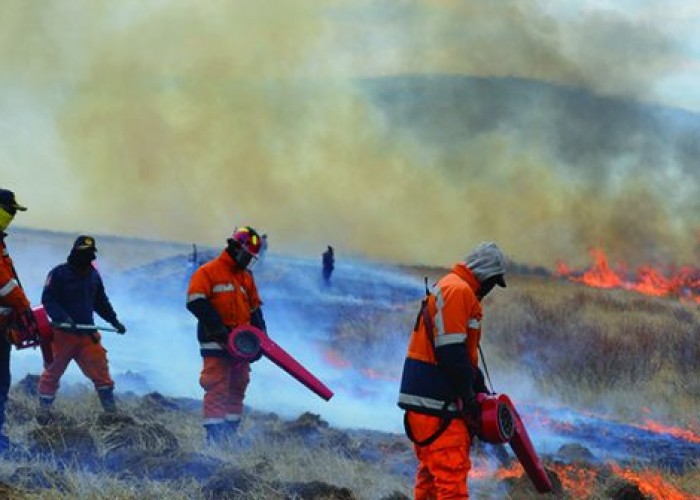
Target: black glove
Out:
[218,333]
[121,329]
[472,415]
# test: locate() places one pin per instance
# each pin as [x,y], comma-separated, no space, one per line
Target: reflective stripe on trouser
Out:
[224,382]
[443,466]
[90,356]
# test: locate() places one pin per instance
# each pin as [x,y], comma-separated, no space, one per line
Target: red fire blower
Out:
[23,335]
[500,423]
[248,342]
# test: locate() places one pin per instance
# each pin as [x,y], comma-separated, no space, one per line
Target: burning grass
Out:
[613,354]
[596,348]
[631,358]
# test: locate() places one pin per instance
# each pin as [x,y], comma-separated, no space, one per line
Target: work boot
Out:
[107,399]
[217,433]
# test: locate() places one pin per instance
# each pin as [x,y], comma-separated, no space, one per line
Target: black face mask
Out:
[239,254]
[81,259]
[486,287]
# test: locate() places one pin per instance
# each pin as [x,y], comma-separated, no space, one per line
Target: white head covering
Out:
[487,260]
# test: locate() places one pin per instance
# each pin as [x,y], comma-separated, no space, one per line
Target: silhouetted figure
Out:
[194,258]
[328,265]
[263,249]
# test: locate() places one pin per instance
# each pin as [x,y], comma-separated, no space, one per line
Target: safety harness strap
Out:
[444,424]
[445,417]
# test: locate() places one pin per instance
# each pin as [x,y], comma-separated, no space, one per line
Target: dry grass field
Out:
[626,360]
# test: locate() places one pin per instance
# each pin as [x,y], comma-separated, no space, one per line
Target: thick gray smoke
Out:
[405,131]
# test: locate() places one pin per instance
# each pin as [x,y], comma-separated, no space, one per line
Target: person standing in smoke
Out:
[328,264]
[263,249]
[223,295]
[72,293]
[15,310]
[441,377]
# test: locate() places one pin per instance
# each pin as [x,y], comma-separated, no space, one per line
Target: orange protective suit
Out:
[72,293]
[12,301]
[224,384]
[12,297]
[222,293]
[444,464]
[87,352]
[437,378]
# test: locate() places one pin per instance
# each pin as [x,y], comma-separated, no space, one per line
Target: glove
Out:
[28,320]
[218,333]
[472,415]
[121,329]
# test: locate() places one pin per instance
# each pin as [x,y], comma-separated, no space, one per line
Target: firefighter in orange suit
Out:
[441,375]
[14,305]
[223,295]
[72,292]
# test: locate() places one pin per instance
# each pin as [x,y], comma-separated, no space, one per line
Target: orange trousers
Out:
[224,382]
[90,356]
[443,465]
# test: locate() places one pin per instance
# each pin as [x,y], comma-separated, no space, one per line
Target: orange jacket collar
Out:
[461,270]
[224,256]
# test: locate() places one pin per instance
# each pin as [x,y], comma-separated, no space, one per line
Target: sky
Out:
[180,120]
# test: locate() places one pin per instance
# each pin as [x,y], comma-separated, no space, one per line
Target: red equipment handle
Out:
[246,342]
[45,333]
[500,423]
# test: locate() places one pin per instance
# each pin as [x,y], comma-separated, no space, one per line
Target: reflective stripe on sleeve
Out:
[195,296]
[9,286]
[5,311]
[474,324]
[450,338]
[439,320]
[210,346]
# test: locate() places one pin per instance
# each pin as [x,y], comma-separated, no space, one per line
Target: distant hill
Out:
[579,129]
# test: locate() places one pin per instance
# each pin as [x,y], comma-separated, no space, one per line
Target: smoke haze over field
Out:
[178,120]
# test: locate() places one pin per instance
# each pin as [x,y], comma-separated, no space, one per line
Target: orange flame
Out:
[684,283]
[482,469]
[652,483]
[678,432]
[577,480]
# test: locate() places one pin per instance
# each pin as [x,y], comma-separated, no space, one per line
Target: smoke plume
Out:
[175,120]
